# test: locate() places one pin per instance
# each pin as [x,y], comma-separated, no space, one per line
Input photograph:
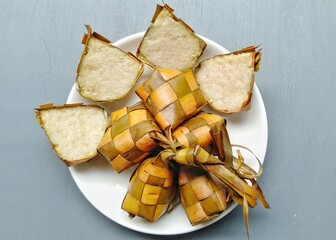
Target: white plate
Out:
[105,189]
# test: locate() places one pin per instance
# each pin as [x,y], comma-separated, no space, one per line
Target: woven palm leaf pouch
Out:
[172,96]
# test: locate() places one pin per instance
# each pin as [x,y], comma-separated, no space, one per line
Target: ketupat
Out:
[202,198]
[151,190]
[227,79]
[169,42]
[105,73]
[196,131]
[128,140]
[74,130]
[172,96]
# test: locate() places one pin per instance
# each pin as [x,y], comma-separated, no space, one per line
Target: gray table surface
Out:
[39,52]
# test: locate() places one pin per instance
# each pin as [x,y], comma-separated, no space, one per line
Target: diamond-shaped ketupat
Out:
[128,140]
[172,96]
[151,191]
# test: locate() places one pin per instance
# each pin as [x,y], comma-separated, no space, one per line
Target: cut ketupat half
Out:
[106,73]
[169,42]
[74,130]
[227,80]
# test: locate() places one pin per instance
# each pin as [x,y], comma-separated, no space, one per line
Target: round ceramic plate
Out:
[105,189]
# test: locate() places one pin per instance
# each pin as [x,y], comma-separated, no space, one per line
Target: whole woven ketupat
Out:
[236,183]
[151,190]
[201,196]
[128,140]
[196,131]
[172,96]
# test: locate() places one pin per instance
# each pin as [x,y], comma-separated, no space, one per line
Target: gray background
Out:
[39,51]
